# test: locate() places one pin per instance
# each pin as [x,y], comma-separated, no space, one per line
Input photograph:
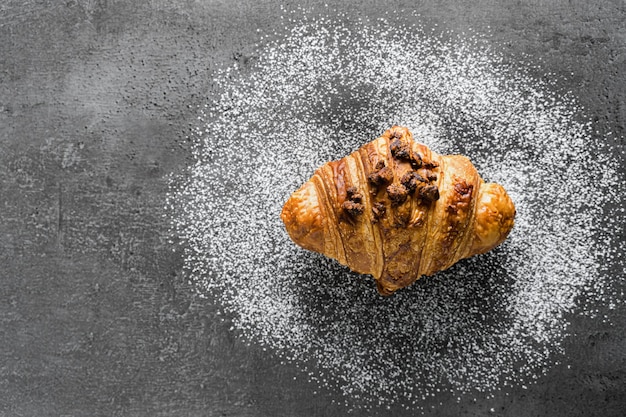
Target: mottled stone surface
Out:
[96,101]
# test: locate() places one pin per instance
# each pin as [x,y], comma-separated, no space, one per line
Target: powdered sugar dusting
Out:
[320,92]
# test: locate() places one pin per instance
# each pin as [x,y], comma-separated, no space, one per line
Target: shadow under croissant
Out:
[437,315]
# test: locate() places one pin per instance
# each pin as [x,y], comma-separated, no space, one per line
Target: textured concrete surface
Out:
[96,100]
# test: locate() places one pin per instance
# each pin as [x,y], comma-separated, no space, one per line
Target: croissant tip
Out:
[495,218]
[302,217]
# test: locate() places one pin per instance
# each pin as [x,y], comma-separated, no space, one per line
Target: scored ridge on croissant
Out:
[397,210]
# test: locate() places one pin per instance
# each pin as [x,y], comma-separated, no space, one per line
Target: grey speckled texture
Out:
[96,100]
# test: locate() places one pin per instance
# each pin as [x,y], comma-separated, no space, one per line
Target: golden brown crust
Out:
[396,210]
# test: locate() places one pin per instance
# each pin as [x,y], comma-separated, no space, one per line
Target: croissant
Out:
[396,210]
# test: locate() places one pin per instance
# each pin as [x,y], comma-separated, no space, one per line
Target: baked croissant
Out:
[397,210]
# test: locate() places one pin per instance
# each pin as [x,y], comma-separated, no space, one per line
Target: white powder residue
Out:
[321,92]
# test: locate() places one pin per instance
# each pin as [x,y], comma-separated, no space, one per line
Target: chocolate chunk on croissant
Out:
[428,211]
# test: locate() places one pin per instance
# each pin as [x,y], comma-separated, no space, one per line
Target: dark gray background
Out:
[97,98]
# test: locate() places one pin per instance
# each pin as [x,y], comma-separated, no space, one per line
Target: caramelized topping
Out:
[416,161]
[382,174]
[400,150]
[463,189]
[397,194]
[353,205]
[410,181]
[352,208]
[378,211]
[354,195]
[429,193]
[462,202]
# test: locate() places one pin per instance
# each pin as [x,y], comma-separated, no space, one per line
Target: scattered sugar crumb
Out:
[319,92]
